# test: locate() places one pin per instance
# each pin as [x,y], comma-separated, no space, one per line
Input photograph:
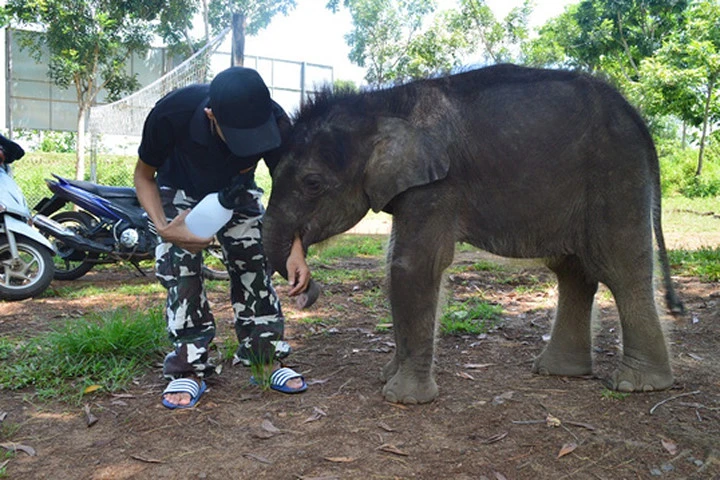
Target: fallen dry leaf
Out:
[269,427]
[90,419]
[465,375]
[495,438]
[477,366]
[91,388]
[552,421]
[14,447]
[386,427]
[386,447]
[146,460]
[567,449]
[340,459]
[500,399]
[670,446]
[500,476]
[258,458]
[583,425]
[317,415]
[123,395]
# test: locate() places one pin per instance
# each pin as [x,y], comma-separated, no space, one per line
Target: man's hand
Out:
[177,233]
[297,268]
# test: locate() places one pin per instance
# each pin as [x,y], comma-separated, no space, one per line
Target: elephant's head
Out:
[341,160]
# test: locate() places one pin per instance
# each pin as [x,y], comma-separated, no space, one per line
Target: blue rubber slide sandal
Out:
[184,385]
[279,379]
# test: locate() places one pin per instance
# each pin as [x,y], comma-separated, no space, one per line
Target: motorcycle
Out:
[26,256]
[111,226]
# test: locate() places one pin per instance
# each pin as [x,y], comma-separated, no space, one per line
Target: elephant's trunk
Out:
[277,240]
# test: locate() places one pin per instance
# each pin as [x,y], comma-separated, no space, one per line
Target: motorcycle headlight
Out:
[3,208]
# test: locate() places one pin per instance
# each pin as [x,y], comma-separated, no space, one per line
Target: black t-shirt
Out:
[178,142]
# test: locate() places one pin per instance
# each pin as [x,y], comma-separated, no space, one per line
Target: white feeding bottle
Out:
[208,216]
[215,210]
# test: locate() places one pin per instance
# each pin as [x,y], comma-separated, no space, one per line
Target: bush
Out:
[677,169]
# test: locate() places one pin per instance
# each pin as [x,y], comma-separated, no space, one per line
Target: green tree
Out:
[496,40]
[396,40]
[383,34]
[258,13]
[608,36]
[86,44]
[683,78]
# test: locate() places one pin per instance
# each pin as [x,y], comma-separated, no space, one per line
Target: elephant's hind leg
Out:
[645,364]
[569,352]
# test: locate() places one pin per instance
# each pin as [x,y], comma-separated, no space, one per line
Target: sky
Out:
[311,33]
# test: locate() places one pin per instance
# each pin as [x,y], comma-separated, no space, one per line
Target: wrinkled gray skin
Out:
[518,162]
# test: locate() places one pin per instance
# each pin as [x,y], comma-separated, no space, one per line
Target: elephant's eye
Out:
[314,184]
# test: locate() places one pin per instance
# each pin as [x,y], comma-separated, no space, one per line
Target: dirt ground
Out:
[492,420]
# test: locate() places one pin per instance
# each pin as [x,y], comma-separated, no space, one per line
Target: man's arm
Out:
[148,195]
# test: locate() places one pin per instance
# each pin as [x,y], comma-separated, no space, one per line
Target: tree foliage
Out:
[86,45]
[386,36]
[683,77]
[608,36]
[258,13]
[497,41]
[397,40]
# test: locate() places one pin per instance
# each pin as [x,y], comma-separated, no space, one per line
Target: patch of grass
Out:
[319,321]
[349,246]
[106,349]
[471,317]
[7,430]
[373,299]
[608,394]
[7,456]
[384,325]
[6,348]
[703,263]
[539,287]
[137,289]
[329,276]
[480,266]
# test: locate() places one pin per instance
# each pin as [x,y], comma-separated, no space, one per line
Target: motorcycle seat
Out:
[103,190]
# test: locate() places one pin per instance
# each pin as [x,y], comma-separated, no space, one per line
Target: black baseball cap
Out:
[241,103]
[11,150]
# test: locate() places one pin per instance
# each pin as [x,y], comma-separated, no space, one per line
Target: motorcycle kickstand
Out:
[137,266]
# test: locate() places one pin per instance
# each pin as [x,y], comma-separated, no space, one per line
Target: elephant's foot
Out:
[632,376]
[556,362]
[409,389]
[389,370]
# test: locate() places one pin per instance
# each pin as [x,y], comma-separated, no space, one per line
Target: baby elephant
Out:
[520,162]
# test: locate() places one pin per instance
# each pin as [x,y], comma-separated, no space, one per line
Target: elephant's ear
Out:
[403,157]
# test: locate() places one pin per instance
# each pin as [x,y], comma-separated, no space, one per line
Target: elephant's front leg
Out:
[415,275]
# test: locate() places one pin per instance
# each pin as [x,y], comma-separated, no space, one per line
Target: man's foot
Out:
[183,392]
[282,379]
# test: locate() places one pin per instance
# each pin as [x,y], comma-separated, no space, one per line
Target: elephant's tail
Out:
[674,304]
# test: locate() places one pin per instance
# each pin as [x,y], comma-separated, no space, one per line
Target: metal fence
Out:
[34,103]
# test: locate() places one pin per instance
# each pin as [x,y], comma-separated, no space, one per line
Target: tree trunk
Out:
[238,40]
[206,20]
[80,146]
[706,120]
[683,143]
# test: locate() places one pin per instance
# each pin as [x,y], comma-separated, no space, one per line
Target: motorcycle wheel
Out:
[70,263]
[213,264]
[30,275]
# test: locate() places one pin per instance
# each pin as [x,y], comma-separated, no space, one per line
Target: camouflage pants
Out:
[259,321]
